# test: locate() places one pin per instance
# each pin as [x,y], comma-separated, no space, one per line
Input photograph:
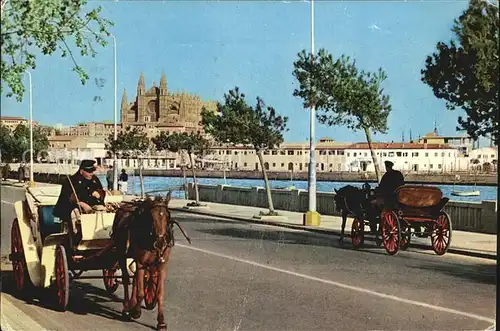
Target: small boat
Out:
[466,193]
[473,193]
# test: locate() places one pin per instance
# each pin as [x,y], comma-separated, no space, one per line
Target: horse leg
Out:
[125,281]
[137,293]
[162,326]
[342,230]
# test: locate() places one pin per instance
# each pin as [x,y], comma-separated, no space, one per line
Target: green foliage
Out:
[15,145]
[45,25]
[236,122]
[6,144]
[465,72]
[131,140]
[192,143]
[342,94]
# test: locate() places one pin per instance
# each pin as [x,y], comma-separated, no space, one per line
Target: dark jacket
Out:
[123,177]
[84,188]
[391,180]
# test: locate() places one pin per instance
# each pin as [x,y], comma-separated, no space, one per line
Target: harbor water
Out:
[165,183]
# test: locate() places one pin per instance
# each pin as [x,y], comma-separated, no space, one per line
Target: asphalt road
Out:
[237,276]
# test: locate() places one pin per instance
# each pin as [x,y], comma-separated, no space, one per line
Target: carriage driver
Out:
[391,180]
[89,193]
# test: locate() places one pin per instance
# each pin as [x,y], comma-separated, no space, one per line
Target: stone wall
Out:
[465,216]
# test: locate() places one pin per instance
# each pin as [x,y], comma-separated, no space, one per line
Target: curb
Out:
[13,318]
[458,251]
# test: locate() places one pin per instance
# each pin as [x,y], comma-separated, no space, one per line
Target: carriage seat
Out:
[420,201]
[49,224]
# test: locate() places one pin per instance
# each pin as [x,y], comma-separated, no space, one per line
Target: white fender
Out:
[29,245]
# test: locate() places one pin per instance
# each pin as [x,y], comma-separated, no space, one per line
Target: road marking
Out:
[7,202]
[345,286]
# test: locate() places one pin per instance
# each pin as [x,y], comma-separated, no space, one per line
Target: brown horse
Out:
[143,230]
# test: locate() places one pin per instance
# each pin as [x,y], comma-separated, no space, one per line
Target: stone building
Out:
[158,109]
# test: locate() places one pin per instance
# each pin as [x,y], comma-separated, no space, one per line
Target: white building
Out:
[407,157]
[72,149]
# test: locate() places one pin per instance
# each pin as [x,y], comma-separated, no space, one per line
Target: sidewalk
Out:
[464,243]
[14,319]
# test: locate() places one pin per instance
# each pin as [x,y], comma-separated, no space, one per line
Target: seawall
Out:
[465,216]
[465,178]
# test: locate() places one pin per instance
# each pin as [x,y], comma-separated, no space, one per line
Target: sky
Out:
[210,47]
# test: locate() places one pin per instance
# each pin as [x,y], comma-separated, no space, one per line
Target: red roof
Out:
[398,146]
[12,118]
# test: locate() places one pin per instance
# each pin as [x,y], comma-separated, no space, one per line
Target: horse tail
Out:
[184,233]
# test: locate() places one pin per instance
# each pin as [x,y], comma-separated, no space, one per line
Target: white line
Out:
[345,286]
[7,202]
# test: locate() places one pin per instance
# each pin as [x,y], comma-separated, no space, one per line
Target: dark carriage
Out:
[417,207]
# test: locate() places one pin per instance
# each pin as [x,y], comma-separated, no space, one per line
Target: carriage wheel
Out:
[62,279]
[390,232]
[441,234]
[405,235]
[357,233]
[151,277]
[19,267]
[110,282]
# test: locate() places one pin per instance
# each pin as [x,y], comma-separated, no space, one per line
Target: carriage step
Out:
[15,257]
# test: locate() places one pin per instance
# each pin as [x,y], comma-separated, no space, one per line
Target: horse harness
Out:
[160,243]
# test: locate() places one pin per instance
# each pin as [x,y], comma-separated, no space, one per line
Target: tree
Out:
[6,144]
[31,25]
[132,141]
[15,145]
[238,123]
[465,72]
[343,95]
[191,143]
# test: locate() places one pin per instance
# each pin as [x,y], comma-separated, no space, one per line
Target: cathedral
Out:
[156,107]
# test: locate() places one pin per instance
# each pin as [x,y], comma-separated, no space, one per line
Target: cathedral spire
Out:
[163,81]
[141,81]
[124,99]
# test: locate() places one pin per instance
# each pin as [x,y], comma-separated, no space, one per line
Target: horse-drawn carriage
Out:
[43,255]
[417,208]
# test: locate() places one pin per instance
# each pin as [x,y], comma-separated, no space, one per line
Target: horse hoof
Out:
[136,313]
[126,316]
[161,327]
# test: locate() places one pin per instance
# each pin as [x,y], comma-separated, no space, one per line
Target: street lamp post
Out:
[115,160]
[115,135]
[312,217]
[32,182]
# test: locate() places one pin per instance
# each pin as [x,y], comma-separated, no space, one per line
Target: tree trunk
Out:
[266,182]
[374,155]
[185,182]
[141,179]
[196,192]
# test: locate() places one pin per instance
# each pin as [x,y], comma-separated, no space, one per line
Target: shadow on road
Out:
[84,299]
[479,272]
[287,237]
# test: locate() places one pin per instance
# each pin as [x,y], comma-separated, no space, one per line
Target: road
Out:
[238,276]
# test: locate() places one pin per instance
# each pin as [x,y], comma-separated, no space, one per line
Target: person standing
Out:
[20,172]
[123,182]
[109,178]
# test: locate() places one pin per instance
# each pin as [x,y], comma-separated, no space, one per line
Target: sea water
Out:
[164,184]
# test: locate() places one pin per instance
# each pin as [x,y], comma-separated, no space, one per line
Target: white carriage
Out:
[42,255]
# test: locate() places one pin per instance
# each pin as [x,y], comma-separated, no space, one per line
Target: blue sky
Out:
[209,47]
